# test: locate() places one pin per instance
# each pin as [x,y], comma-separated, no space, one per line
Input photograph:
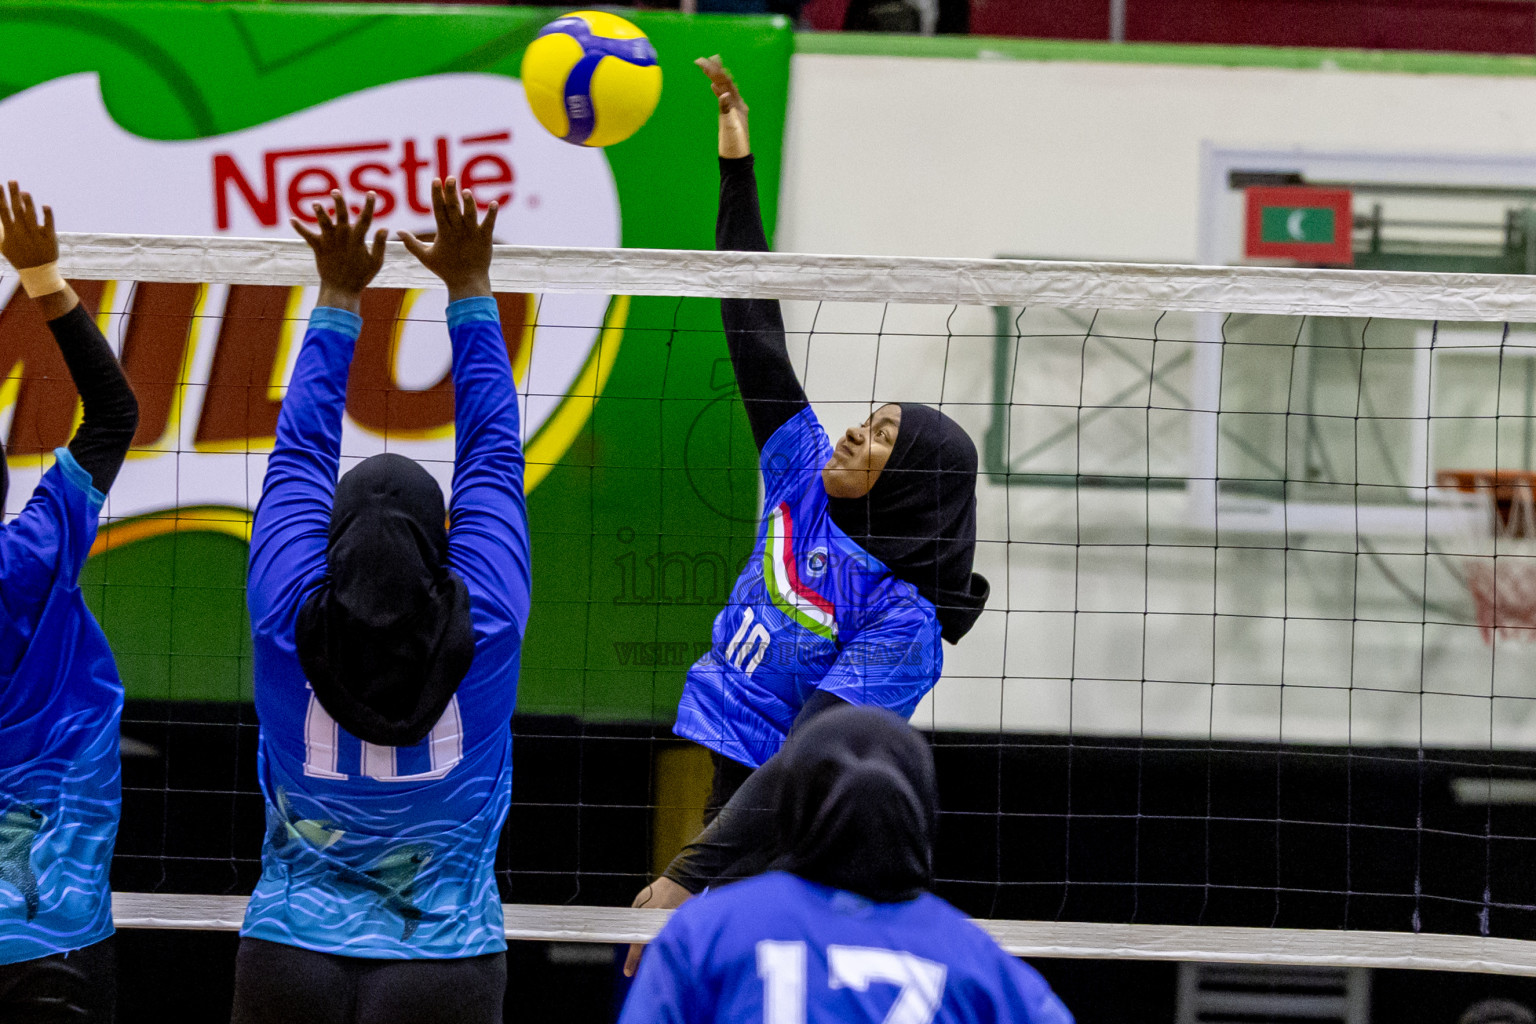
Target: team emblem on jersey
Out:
[816,563]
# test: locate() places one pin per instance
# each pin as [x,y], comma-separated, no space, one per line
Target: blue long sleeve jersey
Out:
[387,852]
[60,703]
[811,611]
[777,949]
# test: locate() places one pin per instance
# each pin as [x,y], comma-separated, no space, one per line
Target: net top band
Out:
[1491,298]
[1207,944]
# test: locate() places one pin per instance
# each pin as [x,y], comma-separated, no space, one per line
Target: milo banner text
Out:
[232,119]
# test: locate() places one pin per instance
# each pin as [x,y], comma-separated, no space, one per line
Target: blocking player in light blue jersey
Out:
[386,659]
[844,930]
[60,694]
[863,558]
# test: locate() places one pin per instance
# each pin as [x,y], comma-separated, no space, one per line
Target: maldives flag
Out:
[1310,225]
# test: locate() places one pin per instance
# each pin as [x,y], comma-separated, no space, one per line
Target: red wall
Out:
[1480,26]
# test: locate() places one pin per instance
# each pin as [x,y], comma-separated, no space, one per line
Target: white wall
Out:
[1108,616]
[939,157]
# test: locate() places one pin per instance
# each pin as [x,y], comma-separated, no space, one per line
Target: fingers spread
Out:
[309,236]
[414,246]
[451,213]
[48,219]
[324,220]
[437,202]
[471,213]
[340,203]
[377,255]
[490,219]
[366,220]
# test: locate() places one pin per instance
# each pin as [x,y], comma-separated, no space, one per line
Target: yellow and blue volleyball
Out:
[591,78]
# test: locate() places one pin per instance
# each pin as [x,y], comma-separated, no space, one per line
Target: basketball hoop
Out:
[1502,582]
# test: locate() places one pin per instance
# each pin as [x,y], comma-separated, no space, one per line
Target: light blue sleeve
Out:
[488,533]
[43,548]
[294,516]
[53,532]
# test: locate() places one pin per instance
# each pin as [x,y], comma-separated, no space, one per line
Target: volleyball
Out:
[591,78]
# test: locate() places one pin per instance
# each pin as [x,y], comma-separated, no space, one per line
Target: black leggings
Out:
[277,984]
[66,988]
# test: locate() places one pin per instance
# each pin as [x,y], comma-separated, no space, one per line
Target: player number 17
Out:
[781,965]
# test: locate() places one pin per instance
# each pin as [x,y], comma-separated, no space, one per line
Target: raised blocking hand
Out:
[25,241]
[345,260]
[735,140]
[460,253]
[32,247]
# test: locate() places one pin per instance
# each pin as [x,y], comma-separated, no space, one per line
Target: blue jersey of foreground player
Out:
[387,852]
[60,703]
[778,949]
[811,611]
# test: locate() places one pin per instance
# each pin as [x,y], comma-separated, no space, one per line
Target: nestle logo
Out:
[291,180]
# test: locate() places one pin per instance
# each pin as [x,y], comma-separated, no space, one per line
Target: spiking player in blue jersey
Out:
[863,559]
[60,695]
[386,660]
[845,930]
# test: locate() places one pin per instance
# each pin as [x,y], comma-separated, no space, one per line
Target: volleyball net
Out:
[1255,683]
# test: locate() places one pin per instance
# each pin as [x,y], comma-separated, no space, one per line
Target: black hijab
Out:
[386,638]
[859,805]
[920,517]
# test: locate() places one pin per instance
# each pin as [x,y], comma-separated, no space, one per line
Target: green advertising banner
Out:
[228,119]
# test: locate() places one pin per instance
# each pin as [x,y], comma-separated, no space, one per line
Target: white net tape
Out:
[1062,285]
[1021,938]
